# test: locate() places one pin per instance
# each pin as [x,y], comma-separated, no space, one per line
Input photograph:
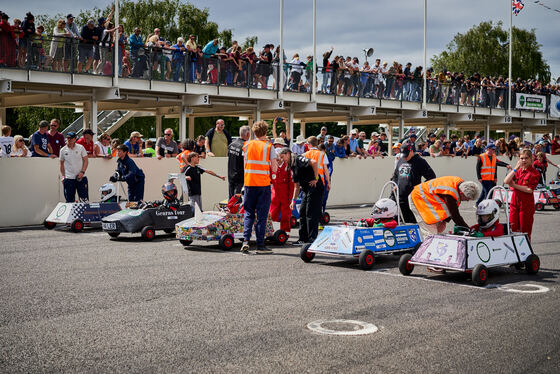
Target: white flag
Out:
[555,106]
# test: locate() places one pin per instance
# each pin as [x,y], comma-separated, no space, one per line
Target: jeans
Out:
[70,187]
[326,81]
[407,90]
[256,201]
[177,66]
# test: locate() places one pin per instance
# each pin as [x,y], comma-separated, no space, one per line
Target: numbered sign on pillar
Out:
[507,119]
[6,86]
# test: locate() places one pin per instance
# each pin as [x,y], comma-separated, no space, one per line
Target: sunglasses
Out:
[167,134]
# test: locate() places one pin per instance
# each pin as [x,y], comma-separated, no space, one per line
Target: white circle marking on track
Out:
[536,288]
[366,328]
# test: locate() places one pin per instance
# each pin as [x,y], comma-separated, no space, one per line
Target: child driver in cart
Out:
[383,214]
[488,216]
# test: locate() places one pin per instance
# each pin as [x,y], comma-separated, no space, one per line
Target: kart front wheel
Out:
[185,242]
[556,206]
[280,237]
[325,218]
[305,255]
[539,206]
[77,225]
[148,233]
[480,275]
[367,259]
[293,222]
[114,234]
[532,264]
[405,267]
[226,242]
[49,225]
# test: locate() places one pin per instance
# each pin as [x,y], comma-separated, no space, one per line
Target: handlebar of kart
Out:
[396,187]
[506,200]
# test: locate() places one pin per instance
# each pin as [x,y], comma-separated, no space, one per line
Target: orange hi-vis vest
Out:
[182,163]
[257,163]
[431,207]
[488,169]
[318,156]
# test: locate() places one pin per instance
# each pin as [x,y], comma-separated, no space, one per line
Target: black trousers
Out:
[235,188]
[486,187]
[407,213]
[310,213]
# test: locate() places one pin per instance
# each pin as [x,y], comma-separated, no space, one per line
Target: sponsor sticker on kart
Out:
[109,225]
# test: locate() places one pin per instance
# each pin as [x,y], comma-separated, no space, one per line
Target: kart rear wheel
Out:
[325,218]
[280,237]
[556,206]
[114,234]
[405,267]
[539,206]
[480,275]
[226,242]
[186,242]
[168,231]
[148,233]
[293,222]
[49,225]
[305,255]
[77,225]
[532,264]
[367,259]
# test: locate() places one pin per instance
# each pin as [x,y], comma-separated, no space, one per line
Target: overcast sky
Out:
[393,28]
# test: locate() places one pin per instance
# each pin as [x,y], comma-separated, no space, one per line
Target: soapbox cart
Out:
[364,243]
[475,255]
[542,195]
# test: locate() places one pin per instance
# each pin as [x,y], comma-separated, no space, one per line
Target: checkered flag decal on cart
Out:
[77,211]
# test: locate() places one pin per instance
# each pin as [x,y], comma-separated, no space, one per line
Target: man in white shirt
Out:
[73,165]
[6,141]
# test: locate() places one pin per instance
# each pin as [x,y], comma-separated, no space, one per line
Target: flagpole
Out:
[510,9]
[281,54]
[313,76]
[425,62]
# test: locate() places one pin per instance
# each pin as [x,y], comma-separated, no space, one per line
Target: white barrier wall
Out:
[31,187]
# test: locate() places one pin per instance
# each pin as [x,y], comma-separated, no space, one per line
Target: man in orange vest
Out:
[260,162]
[438,199]
[486,172]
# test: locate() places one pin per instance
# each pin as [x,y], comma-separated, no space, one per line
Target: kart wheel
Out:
[186,242]
[305,255]
[226,242]
[148,233]
[280,237]
[293,222]
[168,231]
[556,206]
[114,234]
[405,267]
[49,225]
[77,225]
[480,275]
[539,206]
[366,259]
[325,218]
[532,264]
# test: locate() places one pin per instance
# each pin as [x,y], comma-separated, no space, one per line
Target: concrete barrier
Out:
[31,187]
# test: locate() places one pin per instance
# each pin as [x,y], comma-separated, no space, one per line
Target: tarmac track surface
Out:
[85,303]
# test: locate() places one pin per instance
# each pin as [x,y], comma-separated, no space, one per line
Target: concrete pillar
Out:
[291,125]
[258,112]
[302,128]
[390,137]
[401,128]
[93,122]
[182,123]
[191,127]
[487,131]
[554,132]
[349,125]
[447,131]
[159,119]
[3,116]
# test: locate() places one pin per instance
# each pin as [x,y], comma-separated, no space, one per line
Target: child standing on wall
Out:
[192,175]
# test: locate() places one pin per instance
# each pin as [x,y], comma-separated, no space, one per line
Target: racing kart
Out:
[468,253]
[364,243]
[82,214]
[223,225]
[542,195]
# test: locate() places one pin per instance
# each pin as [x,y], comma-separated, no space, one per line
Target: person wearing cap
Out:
[323,132]
[134,144]
[383,146]
[73,165]
[87,142]
[85,48]
[130,173]
[410,170]
[486,170]
[299,147]
[431,139]
[8,51]
[40,146]
[354,142]
[71,42]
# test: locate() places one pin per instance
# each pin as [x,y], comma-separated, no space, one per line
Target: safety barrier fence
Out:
[176,63]
[31,188]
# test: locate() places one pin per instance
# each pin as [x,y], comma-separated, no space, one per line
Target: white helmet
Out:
[488,213]
[384,208]
[108,190]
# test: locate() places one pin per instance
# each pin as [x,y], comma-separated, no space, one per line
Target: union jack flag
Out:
[517,5]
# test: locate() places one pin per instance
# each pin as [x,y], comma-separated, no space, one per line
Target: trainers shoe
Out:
[263,251]
[245,248]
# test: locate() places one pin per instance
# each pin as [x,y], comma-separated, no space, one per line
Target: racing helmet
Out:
[169,191]
[108,190]
[384,208]
[488,213]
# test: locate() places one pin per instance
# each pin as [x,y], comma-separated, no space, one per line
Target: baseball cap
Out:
[279,141]
[300,139]
[90,22]
[397,145]
[71,134]
[354,131]
[491,145]
[374,133]
[431,134]
[413,135]
[135,134]
[323,128]
[70,16]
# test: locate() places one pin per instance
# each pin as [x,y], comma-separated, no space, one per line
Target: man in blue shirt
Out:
[134,144]
[130,173]
[136,44]
[40,146]
[354,142]
[208,51]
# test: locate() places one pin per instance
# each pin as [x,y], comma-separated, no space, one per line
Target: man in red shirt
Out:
[87,142]
[56,139]
[555,146]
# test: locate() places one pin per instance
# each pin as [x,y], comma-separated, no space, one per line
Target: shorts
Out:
[85,52]
[59,54]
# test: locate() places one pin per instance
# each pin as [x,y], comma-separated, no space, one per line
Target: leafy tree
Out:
[250,41]
[25,120]
[484,49]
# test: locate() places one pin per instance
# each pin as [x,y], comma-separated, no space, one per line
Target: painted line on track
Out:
[359,327]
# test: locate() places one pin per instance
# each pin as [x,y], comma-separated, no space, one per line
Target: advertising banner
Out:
[531,102]
[555,106]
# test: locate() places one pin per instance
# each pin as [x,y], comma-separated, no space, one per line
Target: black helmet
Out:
[169,191]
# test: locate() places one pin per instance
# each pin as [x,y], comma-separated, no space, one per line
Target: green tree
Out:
[25,120]
[250,41]
[484,49]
